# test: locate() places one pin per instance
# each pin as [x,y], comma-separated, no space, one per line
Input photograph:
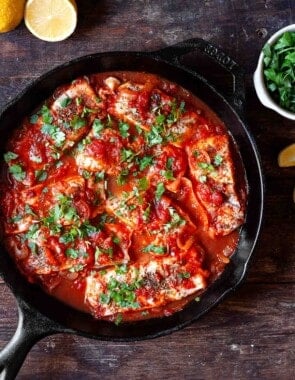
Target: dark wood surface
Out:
[251,335]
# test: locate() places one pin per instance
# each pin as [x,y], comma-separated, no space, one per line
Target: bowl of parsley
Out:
[274,78]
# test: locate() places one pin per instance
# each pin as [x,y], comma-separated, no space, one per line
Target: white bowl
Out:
[259,84]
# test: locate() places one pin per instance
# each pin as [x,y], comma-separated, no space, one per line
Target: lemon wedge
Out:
[287,156]
[51,20]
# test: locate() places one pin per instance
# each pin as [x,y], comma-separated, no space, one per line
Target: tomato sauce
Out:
[122,195]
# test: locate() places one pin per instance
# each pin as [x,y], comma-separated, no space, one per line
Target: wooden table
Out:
[251,334]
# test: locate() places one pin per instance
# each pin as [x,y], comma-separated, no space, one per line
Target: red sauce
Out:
[120,196]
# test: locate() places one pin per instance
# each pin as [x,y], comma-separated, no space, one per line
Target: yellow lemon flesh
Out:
[51,20]
[287,156]
[11,14]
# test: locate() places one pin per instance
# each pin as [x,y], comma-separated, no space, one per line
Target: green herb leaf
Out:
[159,190]
[8,156]
[97,127]
[218,159]
[34,118]
[77,122]
[17,172]
[155,249]
[41,175]
[143,183]
[64,102]
[55,133]
[124,128]
[144,162]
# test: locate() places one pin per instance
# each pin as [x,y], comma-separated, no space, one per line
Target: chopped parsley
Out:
[184,275]
[127,155]
[145,161]
[217,160]
[205,166]
[122,178]
[75,253]
[159,250]
[77,122]
[97,127]
[154,136]
[106,251]
[8,156]
[160,190]
[55,133]
[175,221]
[34,118]
[82,231]
[41,175]
[116,240]
[61,211]
[143,184]
[99,176]
[124,128]
[17,172]
[76,268]
[64,102]
[33,232]
[121,293]
[86,174]
[46,115]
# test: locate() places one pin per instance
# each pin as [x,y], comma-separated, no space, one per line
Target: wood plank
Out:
[252,332]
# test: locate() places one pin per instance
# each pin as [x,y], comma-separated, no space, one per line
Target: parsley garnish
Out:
[123,128]
[122,178]
[41,175]
[160,250]
[17,172]
[34,119]
[127,155]
[205,166]
[64,102]
[154,136]
[77,122]
[75,253]
[143,183]
[159,190]
[279,73]
[46,115]
[121,293]
[76,268]
[55,133]
[144,162]
[184,275]
[217,160]
[8,156]
[97,127]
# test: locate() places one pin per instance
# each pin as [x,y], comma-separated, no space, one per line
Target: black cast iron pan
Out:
[40,314]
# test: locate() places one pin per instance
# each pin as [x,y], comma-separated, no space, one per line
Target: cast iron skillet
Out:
[41,315]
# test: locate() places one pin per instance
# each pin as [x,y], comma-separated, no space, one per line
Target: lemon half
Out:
[51,20]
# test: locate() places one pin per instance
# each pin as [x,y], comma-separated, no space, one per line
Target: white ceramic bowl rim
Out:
[259,83]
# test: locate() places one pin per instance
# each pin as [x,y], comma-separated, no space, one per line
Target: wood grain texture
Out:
[251,334]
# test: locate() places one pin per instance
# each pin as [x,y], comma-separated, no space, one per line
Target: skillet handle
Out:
[31,327]
[175,52]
